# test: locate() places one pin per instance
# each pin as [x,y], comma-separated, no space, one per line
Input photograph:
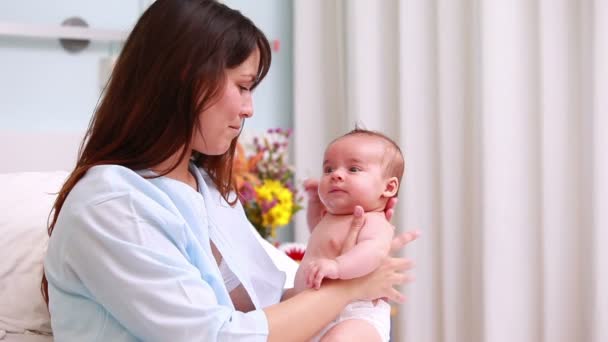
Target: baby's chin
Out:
[345,208]
[340,211]
[336,206]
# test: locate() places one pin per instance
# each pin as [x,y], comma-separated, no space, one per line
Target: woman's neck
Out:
[181,172]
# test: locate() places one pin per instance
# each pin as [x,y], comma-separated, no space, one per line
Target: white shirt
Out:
[130,259]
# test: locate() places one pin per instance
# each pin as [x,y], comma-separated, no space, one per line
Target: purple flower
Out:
[290,186]
[246,193]
[266,206]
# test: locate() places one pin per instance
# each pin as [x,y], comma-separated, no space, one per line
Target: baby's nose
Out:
[337,175]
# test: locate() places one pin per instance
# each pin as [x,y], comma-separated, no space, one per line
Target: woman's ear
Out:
[392,185]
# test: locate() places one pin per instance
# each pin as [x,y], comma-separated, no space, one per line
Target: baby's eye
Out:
[354,169]
[328,169]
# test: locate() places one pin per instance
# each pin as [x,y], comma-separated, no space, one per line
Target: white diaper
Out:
[378,316]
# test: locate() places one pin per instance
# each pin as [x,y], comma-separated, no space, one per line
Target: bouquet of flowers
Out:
[265,182]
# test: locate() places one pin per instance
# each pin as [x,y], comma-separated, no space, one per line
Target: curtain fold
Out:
[599,314]
[501,109]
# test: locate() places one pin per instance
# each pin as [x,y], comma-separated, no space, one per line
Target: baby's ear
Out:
[392,185]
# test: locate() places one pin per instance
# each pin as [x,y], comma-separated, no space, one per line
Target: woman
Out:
[148,241]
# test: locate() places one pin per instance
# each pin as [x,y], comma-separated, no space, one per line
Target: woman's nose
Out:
[247,109]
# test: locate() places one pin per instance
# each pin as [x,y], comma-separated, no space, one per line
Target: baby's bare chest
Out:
[329,237]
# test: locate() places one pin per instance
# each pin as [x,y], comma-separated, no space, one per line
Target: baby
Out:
[361,168]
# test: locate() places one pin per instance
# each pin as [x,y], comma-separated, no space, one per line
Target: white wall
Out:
[43,87]
[47,95]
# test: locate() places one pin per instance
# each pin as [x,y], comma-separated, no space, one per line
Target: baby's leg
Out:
[352,330]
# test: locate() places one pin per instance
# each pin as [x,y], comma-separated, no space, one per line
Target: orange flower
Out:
[244,169]
[265,182]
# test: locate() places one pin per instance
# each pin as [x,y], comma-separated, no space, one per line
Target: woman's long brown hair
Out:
[171,68]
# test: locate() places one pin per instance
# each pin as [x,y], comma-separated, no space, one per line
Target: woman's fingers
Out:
[391,273]
[355,227]
[358,219]
[403,264]
[311,276]
[396,296]
[311,185]
[318,280]
[404,278]
[403,239]
[389,210]
[315,209]
[389,214]
[400,279]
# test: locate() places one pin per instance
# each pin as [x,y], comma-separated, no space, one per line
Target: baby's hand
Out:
[318,269]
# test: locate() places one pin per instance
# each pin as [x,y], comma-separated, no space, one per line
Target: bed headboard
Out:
[38,151]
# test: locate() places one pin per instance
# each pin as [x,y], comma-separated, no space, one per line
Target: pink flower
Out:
[266,206]
[246,192]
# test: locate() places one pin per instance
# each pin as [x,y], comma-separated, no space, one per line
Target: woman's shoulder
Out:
[104,180]
[118,194]
[116,176]
[107,182]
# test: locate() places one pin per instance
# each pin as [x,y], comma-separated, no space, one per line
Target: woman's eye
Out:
[244,88]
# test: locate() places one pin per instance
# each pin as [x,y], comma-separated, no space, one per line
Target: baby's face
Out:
[353,174]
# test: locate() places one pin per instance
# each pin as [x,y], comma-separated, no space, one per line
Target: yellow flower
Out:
[264,192]
[265,181]
[280,213]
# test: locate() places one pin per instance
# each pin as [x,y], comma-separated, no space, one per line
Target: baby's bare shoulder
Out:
[377,218]
[332,225]
[376,222]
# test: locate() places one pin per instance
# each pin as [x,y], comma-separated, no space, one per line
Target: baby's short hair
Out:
[394,162]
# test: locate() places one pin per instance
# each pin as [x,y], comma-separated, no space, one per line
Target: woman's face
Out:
[222,122]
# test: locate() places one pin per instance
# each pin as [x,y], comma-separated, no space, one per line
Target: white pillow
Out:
[25,202]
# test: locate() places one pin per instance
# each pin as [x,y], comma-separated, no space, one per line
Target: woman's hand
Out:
[381,282]
[359,221]
[315,208]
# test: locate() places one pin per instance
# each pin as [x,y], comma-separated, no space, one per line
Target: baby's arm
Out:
[373,244]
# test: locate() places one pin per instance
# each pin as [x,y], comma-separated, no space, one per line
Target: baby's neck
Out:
[379,208]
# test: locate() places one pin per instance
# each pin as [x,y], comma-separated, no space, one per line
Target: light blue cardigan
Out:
[130,259]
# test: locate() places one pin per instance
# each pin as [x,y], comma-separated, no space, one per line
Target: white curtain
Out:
[501,108]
